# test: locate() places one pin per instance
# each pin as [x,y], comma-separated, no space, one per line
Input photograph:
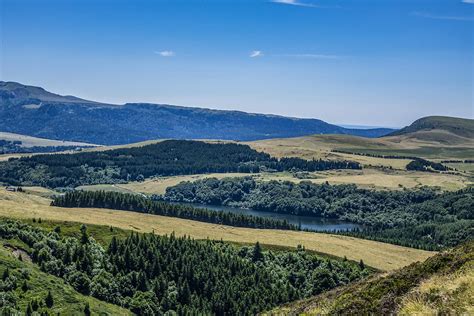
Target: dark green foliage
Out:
[137,203]
[167,158]
[416,218]
[425,165]
[24,286]
[87,309]
[49,300]
[152,274]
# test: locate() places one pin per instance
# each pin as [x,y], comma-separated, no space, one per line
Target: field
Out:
[29,141]
[372,178]
[430,145]
[156,185]
[381,256]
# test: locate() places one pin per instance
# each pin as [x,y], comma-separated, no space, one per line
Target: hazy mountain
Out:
[36,112]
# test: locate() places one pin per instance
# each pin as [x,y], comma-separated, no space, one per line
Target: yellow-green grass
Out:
[66,300]
[464,167]
[156,185]
[372,178]
[378,255]
[450,294]
[30,141]
[426,144]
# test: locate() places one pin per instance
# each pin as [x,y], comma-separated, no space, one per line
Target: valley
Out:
[394,218]
[221,158]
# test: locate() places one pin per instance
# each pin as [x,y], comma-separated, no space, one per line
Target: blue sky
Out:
[378,62]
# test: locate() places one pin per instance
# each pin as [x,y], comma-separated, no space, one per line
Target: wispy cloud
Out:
[256,53]
[313,56]
[444,17]
[166,53]
[304,4]
[468,1]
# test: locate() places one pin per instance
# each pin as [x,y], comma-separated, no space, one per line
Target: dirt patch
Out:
[18,252]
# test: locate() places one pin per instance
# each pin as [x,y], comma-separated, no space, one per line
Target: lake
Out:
[305,222]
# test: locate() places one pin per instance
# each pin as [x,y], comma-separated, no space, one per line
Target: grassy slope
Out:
[442,284]
[434,145]
[381,256]
[458,126]
[66,300]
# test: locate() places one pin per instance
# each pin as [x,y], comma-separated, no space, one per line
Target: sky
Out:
[359,62]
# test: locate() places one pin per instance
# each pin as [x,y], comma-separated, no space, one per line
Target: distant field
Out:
[375,254]
[366,178]
[432,144]
[425,152]
[468,167]
[29,141]
[156,185]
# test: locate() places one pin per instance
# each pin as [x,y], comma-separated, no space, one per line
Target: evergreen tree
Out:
[87,309]
[24,286]
[257,254]
[84,235]
[49,300]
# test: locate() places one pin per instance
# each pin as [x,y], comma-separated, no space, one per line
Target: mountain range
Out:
[33,111]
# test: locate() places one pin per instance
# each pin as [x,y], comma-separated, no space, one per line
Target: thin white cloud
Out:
[468,1]
[443,17]
[303,4]
[256,53]
[166,53]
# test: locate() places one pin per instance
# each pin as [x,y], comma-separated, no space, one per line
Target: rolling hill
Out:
[457,126]
[34,111]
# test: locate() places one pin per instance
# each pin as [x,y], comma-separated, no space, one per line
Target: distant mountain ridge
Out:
[33,111]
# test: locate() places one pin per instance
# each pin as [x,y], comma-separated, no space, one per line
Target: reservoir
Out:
[305,222]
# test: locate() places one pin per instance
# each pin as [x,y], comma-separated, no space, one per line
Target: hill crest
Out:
[458,126]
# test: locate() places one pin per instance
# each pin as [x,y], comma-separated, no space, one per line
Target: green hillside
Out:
[458,126]
[22,284]
[443,284]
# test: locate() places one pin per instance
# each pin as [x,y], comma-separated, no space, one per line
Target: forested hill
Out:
[167,158]
[36,112]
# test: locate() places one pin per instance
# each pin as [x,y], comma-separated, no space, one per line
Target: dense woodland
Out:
[425,165]
[153,275]
[420,218]
[167,158]
[138,203]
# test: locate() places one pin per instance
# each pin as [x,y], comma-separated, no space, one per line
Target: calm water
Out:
[306,222]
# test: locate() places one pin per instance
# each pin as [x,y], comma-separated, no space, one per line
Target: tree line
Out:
[141,204]
[166,158]
[156,275]
[426,217]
